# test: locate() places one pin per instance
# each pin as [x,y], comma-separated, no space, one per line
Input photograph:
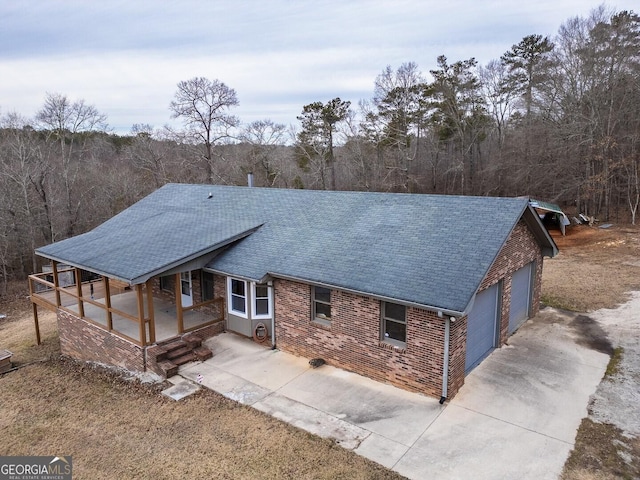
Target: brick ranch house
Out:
[413,290]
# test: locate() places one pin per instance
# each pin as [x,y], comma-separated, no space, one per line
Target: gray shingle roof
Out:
[430,250]
[161,231]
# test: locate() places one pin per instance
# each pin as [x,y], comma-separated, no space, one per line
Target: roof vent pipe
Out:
[250,179]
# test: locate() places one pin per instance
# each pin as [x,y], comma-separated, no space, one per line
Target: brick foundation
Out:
[85,341]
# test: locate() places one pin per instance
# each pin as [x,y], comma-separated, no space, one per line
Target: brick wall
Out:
[352,340]
[220,290]
[158,292]
[82,340]
[457,355]
[520,249]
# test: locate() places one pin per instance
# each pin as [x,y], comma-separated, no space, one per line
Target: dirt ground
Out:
[122,428]
[596,268]
[118,428]
[598,272]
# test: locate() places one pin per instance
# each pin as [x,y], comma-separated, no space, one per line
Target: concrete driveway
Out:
[516,416]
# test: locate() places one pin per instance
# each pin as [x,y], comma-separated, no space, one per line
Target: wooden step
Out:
[175,345]
[179,353]
[203,353]
[186,358]
[193,340]
[162,351]
[169,368]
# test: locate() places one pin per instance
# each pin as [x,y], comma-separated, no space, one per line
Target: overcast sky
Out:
[126,57]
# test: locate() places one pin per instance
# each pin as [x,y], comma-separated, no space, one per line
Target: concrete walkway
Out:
[515,417]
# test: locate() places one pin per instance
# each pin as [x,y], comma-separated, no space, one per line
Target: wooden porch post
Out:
[152,320]
[34,305]
[179,304]
[56,283]
[107,302]
[37,323]
[79,290]
[143,326]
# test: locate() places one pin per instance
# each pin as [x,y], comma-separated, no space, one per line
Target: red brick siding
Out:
[220,290]
[520,249]
[352,341]
[85,341]
[457,355]
[169,296]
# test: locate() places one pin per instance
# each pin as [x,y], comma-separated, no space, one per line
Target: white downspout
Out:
[445,362]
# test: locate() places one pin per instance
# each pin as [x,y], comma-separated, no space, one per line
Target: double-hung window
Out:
[261,301]
[394,323]
[321,304]
[237,297]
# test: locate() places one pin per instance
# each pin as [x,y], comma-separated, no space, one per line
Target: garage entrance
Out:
[481,327]
[520,297]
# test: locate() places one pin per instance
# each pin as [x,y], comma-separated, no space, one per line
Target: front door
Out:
[186,288]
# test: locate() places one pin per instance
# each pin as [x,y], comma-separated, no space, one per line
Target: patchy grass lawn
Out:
[602,452]
[117,428]
[596,269]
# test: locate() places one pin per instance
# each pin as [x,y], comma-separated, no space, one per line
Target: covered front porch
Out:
[131,312]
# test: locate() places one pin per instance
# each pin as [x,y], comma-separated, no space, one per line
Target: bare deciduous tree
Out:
[25,174]
[203,105]
[265,137]
[399,107]
[68,124]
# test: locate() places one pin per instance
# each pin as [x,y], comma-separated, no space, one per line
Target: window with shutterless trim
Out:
[394,323]
[262,300]
[321,304]
[237,296]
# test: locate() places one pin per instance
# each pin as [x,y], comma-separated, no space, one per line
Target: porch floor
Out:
[166,320]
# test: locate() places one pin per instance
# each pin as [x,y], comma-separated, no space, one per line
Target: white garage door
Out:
[520,297]
[481,327]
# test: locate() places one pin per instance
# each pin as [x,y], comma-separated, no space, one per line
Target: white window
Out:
[394,324]
[262,303]
[237,297]
[321,304]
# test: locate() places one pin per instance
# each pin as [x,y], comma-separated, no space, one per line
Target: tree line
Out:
[556,119]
